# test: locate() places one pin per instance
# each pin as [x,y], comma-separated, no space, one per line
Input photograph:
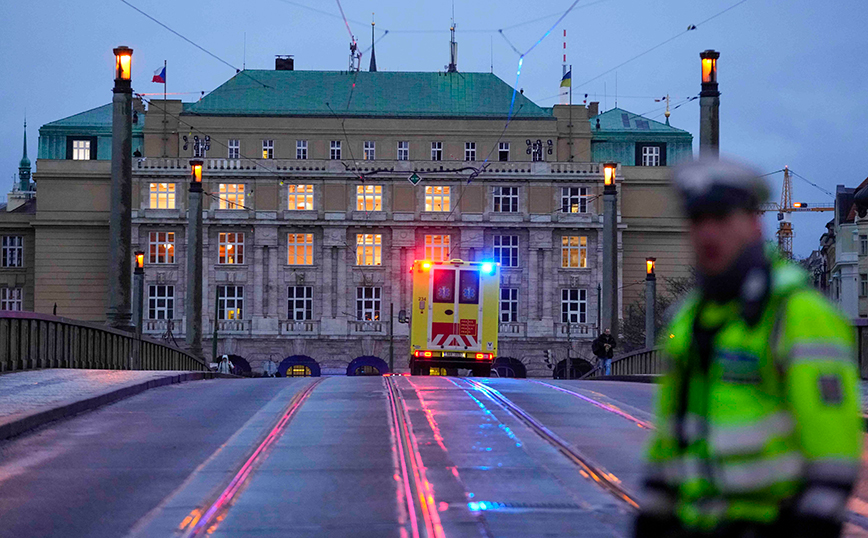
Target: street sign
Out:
[414,178]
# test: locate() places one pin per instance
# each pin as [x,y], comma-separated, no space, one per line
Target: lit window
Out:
[506,250]
[574,306]
[437,198]
[162,196]
[81,150]
[470,151]
[234,148]
[436,151]
[651,156]
[231,196]
[403,150]
[161,302]
[300,197]
[268,149]
[574,199]
[574,252]
[335,150]
[368,303]
[505,199]
[231,245]
[11,299]
[438,248]
[230,302]
[369,198]
[161,247]
[300,249]
[369,248]
[370,150]
[298,370]
[13,251]
[299,303]
[503,151]
[301,149]
[508,305]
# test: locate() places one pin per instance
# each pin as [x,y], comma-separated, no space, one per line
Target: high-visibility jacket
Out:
[771,421]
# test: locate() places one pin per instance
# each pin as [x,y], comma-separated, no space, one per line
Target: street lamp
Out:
[650,302]
[193,310]
[119,312]
[610,248]
[609,173]
[138,312]
[709,106]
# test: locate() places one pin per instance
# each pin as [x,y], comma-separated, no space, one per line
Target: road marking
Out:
[606,407]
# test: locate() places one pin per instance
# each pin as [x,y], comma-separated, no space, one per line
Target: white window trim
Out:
[12,251]
[503,147]
[163,193]
[154,243]
[436,151]
[370,150]
[369,198]
[168,297]
[580,249]
[369,248]
[438,198]
[567,301]
[503,197]
[511,303]
[80,149]
[231,196]
[403,150]
[234,149]
[302,249]
[299,198]
[268,149]
[335,150]
[504,243]
[438,247]
[301,150]
[224,301]
[580,197]
[470,151]
[12,299]
[299,308]
[237,248]
[375,298]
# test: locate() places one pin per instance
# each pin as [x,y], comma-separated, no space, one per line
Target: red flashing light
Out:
[484,356]
[426,266]
[425,354]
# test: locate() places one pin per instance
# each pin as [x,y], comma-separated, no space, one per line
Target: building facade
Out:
[323,187]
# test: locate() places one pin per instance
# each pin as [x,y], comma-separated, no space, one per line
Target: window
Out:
[161,247]
[335,150]
[11,299]
[508,305]
[231,196]
[300,198]
[574,306]
[863,285]
[162,196]
[299,303]
[506,199]
[268,149]
[403,150]
[437,248]
[437,198]
[369,198]
[574,199]
[230,302]
[234,148]
[369,248]
[506,250]
[368,303]
[301,149]
[231,245]
[161,302]
[650,154]
[503,151]
[436,151]
[370,150]
[863,245]
[300,249]
[81,150]
[574,252]
[13,251]
[470,151]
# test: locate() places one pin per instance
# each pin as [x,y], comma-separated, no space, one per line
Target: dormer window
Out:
[81,148]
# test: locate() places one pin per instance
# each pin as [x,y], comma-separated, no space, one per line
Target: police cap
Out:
[718,187]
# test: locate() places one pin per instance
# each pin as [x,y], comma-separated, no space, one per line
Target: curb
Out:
[18,424]
[638,378]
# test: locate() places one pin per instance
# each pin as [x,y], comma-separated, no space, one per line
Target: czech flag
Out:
[160,75]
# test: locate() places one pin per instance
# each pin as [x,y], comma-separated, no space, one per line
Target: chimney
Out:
[593,108]
[284,63]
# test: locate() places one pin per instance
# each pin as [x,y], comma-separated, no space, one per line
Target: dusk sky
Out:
[792,74]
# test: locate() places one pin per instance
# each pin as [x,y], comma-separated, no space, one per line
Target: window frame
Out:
[470,151]
[335,150]
[293,246]
[70,147]
[577,200]
[640,153]
[503,151]
[301,150]
[294,194]
[154,297]
[438,196]
[11,299]
[12,253]
[863,245]
[372,193]
[863,284]
[233,148]
[161,247]
[224,245]
[436,151]
[580,249]
[299,308]
[403,148]
[500,246]
[227,198]
[444,246]
[499,197]
[376,300]
[224,300]
[369,150]
[167,197]
[510,314]
[268,148]
[369,247]
[581,303]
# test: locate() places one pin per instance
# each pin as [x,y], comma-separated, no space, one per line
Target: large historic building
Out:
[323,187]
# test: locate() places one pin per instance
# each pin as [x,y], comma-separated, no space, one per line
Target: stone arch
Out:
[580,368]
[509,367]
[240,365]
[298,360]
[367,360]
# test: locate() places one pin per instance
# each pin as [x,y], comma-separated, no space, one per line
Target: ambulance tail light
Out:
[424,354]
[484,356]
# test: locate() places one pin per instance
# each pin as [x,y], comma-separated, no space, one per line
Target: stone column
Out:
[610,259]
[193,302]
[709,107]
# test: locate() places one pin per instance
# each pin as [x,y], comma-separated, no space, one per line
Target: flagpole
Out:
[165,120]
[571,112]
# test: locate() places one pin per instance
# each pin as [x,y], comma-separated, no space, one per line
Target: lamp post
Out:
[709,107]
[120,218]
[650,302]
[139,310]
[193,305]
[610,249]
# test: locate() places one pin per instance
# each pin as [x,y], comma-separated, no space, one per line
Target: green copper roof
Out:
[381,93]
[623,121]
[96,117]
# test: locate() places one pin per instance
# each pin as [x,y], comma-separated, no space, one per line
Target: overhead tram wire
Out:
[200,47]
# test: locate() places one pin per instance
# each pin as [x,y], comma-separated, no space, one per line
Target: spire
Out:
[373,66]
[24,165]
[453,46]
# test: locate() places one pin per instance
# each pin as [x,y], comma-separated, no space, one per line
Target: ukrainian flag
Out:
[566,82]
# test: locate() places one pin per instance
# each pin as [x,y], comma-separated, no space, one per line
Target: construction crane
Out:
[784,210]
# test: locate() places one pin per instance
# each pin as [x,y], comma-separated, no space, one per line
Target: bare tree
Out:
[674,290]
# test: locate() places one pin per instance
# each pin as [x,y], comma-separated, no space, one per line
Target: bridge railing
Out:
[30,341]
[642,362]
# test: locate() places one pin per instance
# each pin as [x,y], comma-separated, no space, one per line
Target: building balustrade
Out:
[576,330]
[367,327]
[309,327]
[160,326]
[231,326]
[513,329]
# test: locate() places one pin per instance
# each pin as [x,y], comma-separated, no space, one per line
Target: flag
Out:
[160,75]
[566,82]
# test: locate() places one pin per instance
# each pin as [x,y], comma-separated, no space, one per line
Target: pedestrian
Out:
[225,366]
[604,348]
[759,428]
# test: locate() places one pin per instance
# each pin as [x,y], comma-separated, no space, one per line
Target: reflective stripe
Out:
[829,351]
[838,472]
[749,438]
[824,502]
[745,477]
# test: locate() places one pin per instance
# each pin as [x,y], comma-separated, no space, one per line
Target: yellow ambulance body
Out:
[454,318]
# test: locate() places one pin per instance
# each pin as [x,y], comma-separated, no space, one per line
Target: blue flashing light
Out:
[488,268]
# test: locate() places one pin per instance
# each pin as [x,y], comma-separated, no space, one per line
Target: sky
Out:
[792,74]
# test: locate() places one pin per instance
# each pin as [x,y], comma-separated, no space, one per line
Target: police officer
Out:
[759,426]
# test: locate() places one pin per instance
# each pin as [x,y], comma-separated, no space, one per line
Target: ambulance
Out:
[454,317]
